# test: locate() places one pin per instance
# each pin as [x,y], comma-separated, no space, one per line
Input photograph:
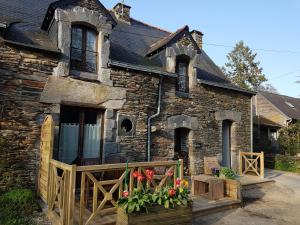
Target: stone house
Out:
[118,89]
[271,113]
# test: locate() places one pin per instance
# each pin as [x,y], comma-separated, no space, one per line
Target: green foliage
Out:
[242,68]
[287,163]
[139,201]
[227,173]
[289,139]
[17,207]
[163,197]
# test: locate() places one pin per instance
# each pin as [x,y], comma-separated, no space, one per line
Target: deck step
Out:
[218,207]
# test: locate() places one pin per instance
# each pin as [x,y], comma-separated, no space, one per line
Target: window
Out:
[84,49]
[290,104]
[182,64]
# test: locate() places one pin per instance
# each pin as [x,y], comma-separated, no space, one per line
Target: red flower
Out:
[169,173]
[125,194]
[177,182]
[140,177]
[149,174]
[136,174]
[172,192]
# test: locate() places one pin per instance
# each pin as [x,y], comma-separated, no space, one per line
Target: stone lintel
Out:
[184,121]
[60,90]
[228,115]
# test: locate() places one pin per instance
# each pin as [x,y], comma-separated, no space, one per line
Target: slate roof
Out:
[282,103]
[130,43]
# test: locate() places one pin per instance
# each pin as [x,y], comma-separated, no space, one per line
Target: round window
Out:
[126,125]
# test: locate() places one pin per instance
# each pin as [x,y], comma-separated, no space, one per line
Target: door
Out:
[80,137]
[226,143]
[181,150]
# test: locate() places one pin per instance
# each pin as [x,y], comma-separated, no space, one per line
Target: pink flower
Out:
[172,192]
[136,174]
[140,177]
[149,174]
[177,182]
[125,194]
[169,173]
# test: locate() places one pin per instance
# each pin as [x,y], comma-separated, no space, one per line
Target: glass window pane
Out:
[182,69]
[91,41]
[91,63]
[77,37]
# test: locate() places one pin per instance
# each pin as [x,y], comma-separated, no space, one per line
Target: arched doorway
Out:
[181,147]
[226,143]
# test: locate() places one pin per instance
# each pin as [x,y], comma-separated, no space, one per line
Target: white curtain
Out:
[91,147]
[68,142]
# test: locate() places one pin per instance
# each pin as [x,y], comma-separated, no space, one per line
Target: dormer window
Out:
[83,49]
[182,65]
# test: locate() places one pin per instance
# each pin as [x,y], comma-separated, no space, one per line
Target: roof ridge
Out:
[170,36]
[281,95]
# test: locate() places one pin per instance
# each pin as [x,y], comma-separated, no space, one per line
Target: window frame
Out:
[85,29]
[179,60]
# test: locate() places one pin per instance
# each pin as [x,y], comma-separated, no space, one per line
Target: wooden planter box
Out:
[157,215]
[232,189]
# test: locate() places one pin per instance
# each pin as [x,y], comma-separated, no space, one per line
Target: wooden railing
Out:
[252,162]
[100,187]
[61,192]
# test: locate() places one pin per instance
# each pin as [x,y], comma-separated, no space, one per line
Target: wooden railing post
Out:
[82,197]
[181,174]
[72,187]
[262,165]
[241,164]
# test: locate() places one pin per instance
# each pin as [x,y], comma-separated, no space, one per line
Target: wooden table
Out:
[209,186]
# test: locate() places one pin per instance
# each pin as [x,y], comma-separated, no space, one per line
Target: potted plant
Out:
[232,186]
[168,205]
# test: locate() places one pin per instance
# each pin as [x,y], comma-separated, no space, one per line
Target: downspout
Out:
[251,126]
[152,117]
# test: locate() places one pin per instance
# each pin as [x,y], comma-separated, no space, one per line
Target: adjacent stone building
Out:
[118,89]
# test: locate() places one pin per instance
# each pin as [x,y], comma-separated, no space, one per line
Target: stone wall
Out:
[141,102]
[23,75]
[206,139]
[22,78]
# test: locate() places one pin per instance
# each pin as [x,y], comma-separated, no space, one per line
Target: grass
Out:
[287,166]
[17,207]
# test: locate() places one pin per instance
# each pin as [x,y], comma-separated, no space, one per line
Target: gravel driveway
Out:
[274,204]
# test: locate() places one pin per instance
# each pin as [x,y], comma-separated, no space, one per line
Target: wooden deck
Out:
[201,206]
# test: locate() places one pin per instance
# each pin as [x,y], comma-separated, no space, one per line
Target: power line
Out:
[284,75]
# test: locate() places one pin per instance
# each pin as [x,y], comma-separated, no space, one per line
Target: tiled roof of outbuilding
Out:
[287,105]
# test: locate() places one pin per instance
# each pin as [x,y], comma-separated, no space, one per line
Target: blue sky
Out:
[261,24]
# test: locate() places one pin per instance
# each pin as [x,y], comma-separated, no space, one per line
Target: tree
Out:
[289,139]
[243,69]
[268,88]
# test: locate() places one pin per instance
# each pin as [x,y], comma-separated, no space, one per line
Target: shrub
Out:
[289,139]
[17,207]
[287,163]
[227,173]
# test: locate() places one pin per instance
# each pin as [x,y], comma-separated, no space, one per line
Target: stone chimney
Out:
[122,12]
[198,36]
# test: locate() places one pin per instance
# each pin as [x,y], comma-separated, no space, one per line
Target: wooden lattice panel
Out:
[46,153]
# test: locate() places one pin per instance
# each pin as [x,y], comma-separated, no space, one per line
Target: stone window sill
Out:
[182,94]
[84,75]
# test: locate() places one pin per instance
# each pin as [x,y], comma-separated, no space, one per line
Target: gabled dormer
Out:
[81,31]
[179,53]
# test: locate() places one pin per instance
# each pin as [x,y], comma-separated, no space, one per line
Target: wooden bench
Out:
[211,187]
